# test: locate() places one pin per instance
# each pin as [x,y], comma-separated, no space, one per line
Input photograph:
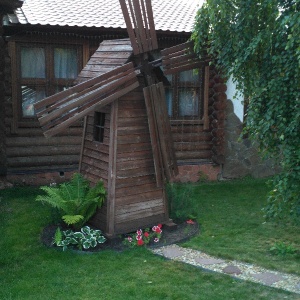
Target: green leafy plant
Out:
[282,249]
[181,207]
[141,238]
[83,239]
[257,43]
[75,201]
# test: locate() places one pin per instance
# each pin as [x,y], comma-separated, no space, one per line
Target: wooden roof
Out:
[110,55]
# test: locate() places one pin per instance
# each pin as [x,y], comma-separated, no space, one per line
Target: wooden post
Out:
[111,193]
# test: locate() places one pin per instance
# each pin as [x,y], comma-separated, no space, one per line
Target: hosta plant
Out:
[75,201]
[141,238]
[84,239]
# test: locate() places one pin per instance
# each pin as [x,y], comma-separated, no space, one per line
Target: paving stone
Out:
[172,252]
[231,269]
[209,261]
[267,278]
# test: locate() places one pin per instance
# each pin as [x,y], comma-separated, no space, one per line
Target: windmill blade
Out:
[139,20]
[180,58]
[160,132]
[61,110]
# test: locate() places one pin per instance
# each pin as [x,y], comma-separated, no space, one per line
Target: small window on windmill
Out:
[99,121]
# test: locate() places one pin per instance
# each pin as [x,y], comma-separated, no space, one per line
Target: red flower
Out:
[159,225]
[190,222]
[140,242]
[146,234]
[158,230]
[140,232]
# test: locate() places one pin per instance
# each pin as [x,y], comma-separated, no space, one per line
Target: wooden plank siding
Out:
[138,200]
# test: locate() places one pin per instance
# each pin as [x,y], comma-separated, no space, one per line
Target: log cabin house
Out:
[48,45]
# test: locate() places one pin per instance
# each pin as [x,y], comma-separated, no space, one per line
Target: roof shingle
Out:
[169,15]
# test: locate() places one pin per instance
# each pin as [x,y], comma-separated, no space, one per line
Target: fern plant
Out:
[75,200]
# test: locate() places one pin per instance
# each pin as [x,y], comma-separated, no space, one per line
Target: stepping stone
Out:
[172,252]
[231,269]
[267,278]
[209,261]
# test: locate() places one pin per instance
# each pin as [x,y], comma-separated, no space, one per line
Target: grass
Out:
[29,270]
[233,225]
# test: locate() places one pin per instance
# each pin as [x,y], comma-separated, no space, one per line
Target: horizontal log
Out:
[203,154]
[42,161]
[43,169]
[39,141]
[192,146]
[191,137]
[181,129]
[42,151]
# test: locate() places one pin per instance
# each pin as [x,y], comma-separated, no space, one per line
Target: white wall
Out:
[236,98]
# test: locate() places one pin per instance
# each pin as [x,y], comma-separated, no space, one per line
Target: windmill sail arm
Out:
[84,97]
[180,58]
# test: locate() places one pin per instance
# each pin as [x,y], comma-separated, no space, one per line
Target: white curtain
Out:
[65,63]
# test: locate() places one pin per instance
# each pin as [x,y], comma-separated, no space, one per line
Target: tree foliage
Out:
[258,43]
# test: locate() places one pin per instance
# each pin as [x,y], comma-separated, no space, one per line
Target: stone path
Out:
[235,269]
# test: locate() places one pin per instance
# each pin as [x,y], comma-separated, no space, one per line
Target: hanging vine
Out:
[258,43]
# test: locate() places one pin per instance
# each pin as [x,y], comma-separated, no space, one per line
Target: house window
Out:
[45,70]
[99,121]
[42,70]
[185,95]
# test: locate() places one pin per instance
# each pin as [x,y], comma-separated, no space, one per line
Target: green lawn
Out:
[233,225]
[29,270]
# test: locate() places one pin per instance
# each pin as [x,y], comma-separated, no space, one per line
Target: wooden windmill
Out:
[127,138]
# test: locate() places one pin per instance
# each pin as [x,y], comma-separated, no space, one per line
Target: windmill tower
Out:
[127,139]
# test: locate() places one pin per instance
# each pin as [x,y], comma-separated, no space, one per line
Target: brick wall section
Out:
[195,173]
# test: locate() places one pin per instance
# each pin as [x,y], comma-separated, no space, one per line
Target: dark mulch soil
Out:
[181,233]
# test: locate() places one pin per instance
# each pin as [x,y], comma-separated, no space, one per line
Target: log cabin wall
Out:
[33,159]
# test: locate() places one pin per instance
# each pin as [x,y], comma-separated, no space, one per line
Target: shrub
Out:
[75,201]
